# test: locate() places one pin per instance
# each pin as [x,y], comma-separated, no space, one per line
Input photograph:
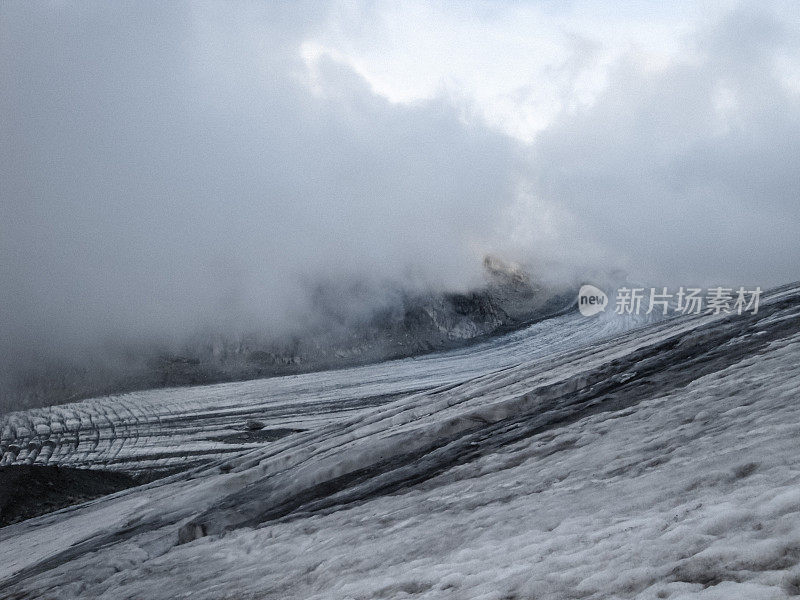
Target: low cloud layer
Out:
[660,138]
[168,169]
[174,168]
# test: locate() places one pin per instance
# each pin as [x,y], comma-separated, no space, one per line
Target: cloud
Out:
[172,168]
[660,139]
[687,170]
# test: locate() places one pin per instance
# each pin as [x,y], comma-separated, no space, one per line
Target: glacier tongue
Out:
[658,462]
[165,430]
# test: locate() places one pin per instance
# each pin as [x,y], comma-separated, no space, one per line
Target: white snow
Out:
[691,494]
[141,430]
[684,497]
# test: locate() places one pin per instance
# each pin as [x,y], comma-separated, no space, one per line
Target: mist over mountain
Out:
[167,172]
[195,175]
[356,299]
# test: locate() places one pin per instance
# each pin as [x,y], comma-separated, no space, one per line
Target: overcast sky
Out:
[166,166]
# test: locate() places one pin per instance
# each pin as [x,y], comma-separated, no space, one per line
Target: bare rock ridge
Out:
[410,325]
[416,324]
[27,490]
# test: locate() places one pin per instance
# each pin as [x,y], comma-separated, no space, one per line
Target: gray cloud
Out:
[689,171]
[174,168]
[168,168]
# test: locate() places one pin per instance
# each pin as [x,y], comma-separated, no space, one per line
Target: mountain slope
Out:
[659,463]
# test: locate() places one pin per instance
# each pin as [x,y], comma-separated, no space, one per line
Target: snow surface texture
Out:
[168,429]
[661,463]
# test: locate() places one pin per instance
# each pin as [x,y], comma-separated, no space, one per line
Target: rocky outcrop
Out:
[413,323]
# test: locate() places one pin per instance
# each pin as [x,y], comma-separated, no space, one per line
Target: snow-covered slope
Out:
[166,429]
[658,463]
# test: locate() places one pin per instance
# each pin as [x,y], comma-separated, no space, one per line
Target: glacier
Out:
[597,457]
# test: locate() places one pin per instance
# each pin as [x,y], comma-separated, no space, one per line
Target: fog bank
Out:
[178,172]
